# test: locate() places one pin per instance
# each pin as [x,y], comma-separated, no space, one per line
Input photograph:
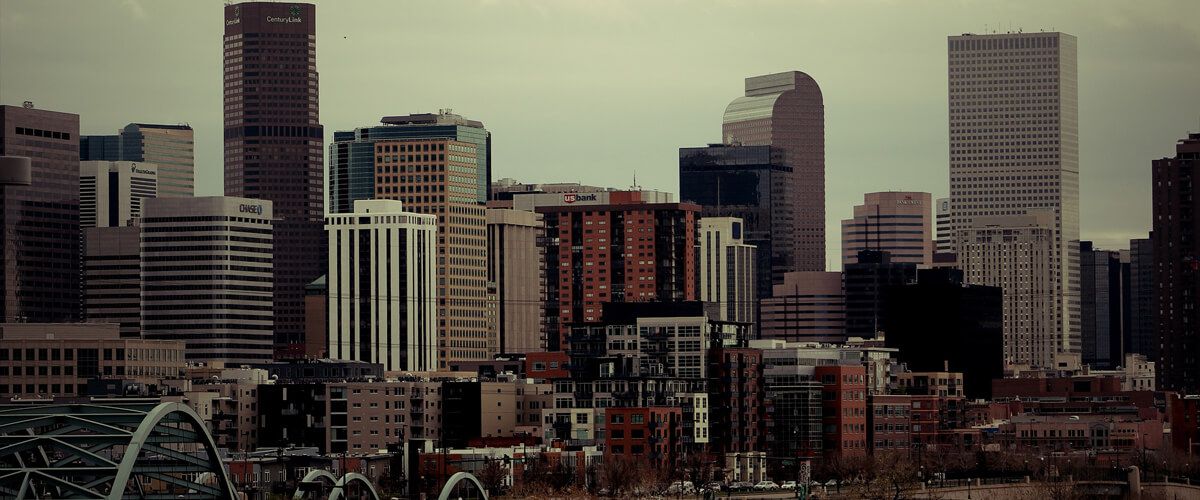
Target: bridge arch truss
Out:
[108,451]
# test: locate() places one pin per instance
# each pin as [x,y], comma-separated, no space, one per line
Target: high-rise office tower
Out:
[866,284]
[382,286]
[939,323]
[945,231]
[726,269]
[352,155]
[207,276]
[1139,299]
[273,144]
[895,222]
[786,111]
[1100,305]
[1014,147]
[612,246]
[112,281]
[1176,242]
[1017,254]
[40,220]
[111,193]
[753,184]
[809,306]
[439,177]
[516,280]
[171,147]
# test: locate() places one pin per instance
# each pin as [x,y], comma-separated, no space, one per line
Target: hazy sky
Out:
[594,91]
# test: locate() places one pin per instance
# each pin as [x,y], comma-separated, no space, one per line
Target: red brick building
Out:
[1184,415]
[616,246]
[652,433]
[844,409]
[891,422]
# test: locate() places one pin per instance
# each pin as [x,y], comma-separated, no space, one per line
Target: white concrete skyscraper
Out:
[726,269]
[1014,146]
[383,286]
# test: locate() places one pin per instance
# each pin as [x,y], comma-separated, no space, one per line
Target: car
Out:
[766,486]
[788,485]
[741,486]
[681,487]
[713,486]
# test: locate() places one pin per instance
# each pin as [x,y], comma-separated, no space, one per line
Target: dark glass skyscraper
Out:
[274,144]
[1100,327]
[753,184]
[866,284]
[1139,299]
[786,110]
[939,323]
[40,221]
[1176,241]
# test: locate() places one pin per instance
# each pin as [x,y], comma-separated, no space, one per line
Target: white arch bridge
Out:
[108,451]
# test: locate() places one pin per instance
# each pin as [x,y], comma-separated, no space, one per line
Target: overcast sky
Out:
[596,91]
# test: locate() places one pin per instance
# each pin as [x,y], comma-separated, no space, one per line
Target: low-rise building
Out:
[48,360]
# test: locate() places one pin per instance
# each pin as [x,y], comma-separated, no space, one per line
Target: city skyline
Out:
[609,61]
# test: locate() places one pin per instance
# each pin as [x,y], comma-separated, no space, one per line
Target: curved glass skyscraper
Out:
[786,111]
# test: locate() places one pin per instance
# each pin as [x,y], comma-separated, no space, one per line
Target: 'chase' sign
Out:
[250,209]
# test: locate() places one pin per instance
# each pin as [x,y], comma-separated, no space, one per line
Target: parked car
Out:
[714,486]
[678,487]
[766,486]
[788,485]
[741,486]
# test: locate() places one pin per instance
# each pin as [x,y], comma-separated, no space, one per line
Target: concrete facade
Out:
[111,193]
[382,286]
[208,276]
[897,222]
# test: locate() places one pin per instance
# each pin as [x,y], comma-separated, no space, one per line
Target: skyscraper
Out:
[438,176]
[40,220]
[866,284]
[938,323]
[786,111]
[1139,318]
[1176,241]
[945,231]
[1017,254]
[207,276]
[895,222]
[726,269]
[1100,305]
[1014,147]
[809,306]
[516,280]
[382,286]
[111,193]
[352,155]
[750,183]
[171,147]
[273,144]
[112,280]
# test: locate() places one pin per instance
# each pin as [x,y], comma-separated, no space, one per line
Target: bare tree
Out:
[493,475]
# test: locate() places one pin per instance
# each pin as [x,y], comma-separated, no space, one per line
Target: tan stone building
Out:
[440,177]
[809,306]
[516,285]
[1018,254]
[53,360]
[897,222]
